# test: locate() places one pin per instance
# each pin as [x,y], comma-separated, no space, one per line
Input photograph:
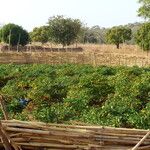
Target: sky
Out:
[35,13]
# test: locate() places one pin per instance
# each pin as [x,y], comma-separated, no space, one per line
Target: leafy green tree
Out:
[142,36]
[40,34]
[144,10]
[64,31]
[14,35]
[118,35]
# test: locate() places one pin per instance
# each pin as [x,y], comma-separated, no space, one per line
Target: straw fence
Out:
[93,58]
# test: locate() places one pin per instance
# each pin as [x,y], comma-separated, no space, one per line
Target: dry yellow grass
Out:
[124,49]
[93,54]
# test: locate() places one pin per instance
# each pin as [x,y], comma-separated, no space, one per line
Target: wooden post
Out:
[3,108]
[141,141]
[30,46]
[9,39]
[5,138]
[94,59]
[18,43]
[5,141]
[119,60]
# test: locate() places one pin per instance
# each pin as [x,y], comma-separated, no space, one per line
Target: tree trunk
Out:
[118,46]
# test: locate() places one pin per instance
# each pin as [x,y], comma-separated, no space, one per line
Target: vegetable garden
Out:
[109,96]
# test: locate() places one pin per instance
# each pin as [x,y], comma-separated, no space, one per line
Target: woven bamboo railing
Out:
[32,135]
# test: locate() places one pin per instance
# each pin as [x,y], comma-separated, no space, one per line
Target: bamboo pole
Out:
[7,141]
[144,147]
[93,128]
[4,139]
[141,141]
[18,42]
[56,136]
[3,108]
[9,39]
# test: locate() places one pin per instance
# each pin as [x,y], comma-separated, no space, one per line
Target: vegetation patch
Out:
[110,96]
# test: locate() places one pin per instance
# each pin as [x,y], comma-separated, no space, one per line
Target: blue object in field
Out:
[24,102]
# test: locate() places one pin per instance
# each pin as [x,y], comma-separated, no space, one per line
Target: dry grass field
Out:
[93,54]
[124,49]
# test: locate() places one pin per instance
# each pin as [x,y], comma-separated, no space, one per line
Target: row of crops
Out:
[109,96]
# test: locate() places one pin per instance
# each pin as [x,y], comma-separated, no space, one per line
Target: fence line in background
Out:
[92,58]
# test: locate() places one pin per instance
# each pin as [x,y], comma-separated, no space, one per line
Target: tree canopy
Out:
[118,35]
[40,34]
[142,36]
[144,10]
[14,35]
[64,31]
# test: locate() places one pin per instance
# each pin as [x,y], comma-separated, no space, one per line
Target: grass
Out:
[95,54]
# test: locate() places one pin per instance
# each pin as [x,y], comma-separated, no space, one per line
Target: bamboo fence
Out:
[34,135]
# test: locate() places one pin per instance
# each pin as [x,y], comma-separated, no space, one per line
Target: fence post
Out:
[5,140]
[3,108]
[94,59]
[110,59]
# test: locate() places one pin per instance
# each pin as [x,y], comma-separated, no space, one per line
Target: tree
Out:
[40,34]
[64,31]
[142,36]
[144,10]
[14,35]
[134,27]
[118,35]
[94,34]
[89,36]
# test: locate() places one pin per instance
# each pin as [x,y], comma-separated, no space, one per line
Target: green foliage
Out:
[118,35]
[93,89]
[44,89]
[40,34]
[110,96]
[64,31]
[21,116]
[97,34]
[14,35]
[14,106]
[144,10]
[142,36]
[57,113]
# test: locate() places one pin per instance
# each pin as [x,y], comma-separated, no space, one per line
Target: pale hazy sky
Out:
[105,13]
